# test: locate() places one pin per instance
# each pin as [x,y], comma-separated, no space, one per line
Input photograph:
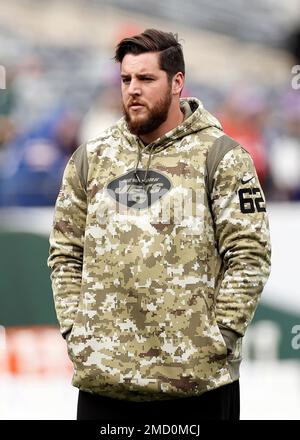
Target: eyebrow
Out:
[139,75]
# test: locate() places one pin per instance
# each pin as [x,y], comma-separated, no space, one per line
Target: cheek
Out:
[123,93]
[152,94]
[155,97]
[124,100]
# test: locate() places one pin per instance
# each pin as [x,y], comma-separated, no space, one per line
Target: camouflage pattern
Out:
[154,308]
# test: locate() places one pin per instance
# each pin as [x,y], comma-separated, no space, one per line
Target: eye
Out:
[125,80]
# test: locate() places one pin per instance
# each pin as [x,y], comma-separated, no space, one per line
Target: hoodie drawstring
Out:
[143,181]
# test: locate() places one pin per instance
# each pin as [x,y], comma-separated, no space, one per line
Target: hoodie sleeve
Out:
[66,247]
[242,234]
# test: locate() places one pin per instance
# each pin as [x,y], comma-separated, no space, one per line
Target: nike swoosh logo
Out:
[244,181]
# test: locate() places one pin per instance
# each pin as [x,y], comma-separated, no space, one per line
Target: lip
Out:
[136,106]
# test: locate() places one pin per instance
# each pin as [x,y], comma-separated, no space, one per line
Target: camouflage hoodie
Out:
[154,281]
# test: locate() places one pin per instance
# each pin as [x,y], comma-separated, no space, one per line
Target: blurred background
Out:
[59,87]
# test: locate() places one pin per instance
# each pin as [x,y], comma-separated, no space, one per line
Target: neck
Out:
[175,118]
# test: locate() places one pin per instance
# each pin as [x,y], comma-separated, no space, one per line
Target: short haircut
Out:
[152,40]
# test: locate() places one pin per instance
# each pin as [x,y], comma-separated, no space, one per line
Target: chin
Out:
[138,113]
[139,119]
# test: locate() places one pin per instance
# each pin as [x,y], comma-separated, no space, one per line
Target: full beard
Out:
[157,115]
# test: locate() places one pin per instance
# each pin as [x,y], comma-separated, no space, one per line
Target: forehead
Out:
[142,63]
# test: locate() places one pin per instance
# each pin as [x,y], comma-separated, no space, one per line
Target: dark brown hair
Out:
[152,40]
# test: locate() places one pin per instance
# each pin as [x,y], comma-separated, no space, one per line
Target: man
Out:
[159,251]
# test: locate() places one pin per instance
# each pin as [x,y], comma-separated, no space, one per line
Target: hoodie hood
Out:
[196,119]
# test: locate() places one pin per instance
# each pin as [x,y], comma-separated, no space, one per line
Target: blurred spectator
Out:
[32,166]
[7,131]
[243,116]
[105,111]
[285,151]
[292,43]
[8,95]
[34,91]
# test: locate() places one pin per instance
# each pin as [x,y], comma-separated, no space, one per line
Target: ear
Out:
[177,83]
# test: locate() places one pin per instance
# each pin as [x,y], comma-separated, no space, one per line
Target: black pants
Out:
[220,404]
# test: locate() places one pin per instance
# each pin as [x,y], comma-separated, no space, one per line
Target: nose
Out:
[134,88]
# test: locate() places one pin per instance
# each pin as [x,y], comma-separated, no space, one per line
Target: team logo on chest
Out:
[139,189]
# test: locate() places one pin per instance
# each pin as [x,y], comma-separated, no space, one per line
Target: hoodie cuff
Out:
[233,351]
[230,337]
